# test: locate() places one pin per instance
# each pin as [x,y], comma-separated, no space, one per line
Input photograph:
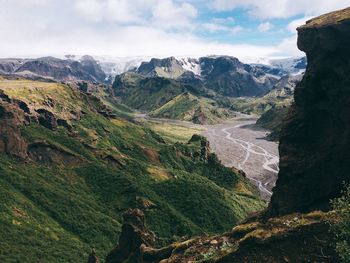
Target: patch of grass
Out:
[173,133]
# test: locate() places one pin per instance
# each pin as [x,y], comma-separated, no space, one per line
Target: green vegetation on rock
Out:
[341,226]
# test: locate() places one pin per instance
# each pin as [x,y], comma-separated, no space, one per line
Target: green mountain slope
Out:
[75,167]
[145,93]
[188,107]
[281,95]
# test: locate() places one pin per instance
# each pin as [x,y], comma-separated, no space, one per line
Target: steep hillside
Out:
[70,167]
[273,120]
[145,93]
[53,68]
[280,96]
[188,107]
[314,145]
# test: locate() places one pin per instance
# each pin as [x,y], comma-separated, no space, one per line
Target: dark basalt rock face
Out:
[135,237]
[315,141]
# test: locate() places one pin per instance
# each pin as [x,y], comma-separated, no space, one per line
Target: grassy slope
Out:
[54,212]
[175,132]
[146,94]
[273,121]
[188,107]
[260,105]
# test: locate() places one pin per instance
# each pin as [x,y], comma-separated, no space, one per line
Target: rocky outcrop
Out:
[204,147]
[135,237]
[93,257]
[46,153]
[47,119]
[11,141]
[315,140]
[290,238]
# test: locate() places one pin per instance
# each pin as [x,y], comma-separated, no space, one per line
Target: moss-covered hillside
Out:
[70,166]
[188,107]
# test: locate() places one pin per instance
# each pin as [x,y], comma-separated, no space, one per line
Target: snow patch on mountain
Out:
[191,64]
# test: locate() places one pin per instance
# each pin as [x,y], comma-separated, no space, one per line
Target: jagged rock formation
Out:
[93,257]
[135,237]
[314,145]
[204,146]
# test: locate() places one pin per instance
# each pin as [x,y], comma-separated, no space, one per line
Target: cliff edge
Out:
[315,140]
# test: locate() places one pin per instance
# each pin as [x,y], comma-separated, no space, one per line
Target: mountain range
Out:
[86,69]
[220,79]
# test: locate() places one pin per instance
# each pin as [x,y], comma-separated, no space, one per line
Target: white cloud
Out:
[281,8]
[123,28]
[212,27]
[266,26]
[220,20]
[126,41]
[120,11]
[289,44]
[167,14]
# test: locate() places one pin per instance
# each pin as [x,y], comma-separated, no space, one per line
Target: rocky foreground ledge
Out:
[314,163]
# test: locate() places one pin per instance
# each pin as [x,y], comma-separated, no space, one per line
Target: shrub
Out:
[341,227]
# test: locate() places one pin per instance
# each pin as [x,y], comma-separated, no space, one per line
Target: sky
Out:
[156,28]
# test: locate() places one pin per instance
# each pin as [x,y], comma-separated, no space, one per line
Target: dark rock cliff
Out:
[315,140]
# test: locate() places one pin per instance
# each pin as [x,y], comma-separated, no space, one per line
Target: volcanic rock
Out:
[315,141]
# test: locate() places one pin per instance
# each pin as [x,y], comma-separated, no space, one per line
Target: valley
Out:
[239,143]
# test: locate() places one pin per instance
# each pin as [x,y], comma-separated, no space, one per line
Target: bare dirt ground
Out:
[241,144]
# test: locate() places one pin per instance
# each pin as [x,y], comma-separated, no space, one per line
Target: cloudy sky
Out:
[158,28]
